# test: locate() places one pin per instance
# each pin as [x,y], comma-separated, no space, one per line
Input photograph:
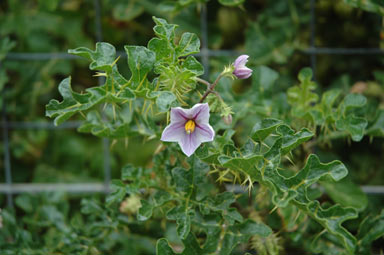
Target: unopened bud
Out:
[227,119]
[241,71]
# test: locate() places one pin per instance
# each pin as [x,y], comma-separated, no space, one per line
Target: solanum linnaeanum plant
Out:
[189,194]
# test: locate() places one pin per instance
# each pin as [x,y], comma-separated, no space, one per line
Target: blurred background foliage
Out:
[274,33]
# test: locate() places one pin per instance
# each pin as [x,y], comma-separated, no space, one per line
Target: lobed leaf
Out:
[163,248]
[355,126]
[140,61]
[188,44]
[370,229]
[263,129]
[352,195]
[193,65]
[291,139]
[73,102]
[165,101]
[103,58]
[163,29]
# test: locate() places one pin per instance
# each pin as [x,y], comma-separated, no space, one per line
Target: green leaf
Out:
[232,215]
[102,58]
[163,248]
[370,229]
[263,129]
[291,139]
[145,211]
[368,5]
[201,183]
[301,97]
[131,173]
[352,101]
[305,74]
[376,128]
[328,99]
[161,197]
[188,44]
[117,193]
[183,179]
[353,125]
[245,165]
[161,47]
[193,65]
[294,190]
[240,233]
[348,121]
[332,219]
[351,195]
[5,46]
[325,108]
[182,215]
[165,101]
[222,201]
[25,202]
[163,29]
[89,206]
[73,102]
[140,62]
[191,246]
[264,78]
[194,180]
[231,2]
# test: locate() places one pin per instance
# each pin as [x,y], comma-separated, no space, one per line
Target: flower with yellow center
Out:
[189,127]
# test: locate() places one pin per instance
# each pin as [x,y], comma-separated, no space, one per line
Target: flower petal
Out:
[179,114]
[189,143]
[174,132]
[204,133]
[241,61]
[200,113]
[243,73]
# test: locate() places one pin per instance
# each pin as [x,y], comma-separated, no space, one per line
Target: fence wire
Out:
[9,188]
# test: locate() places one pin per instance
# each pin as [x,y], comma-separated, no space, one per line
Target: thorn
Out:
[290,160]
[82,114]
[274,209]
[114,112]
[114,62]
[113,143]
[99,74]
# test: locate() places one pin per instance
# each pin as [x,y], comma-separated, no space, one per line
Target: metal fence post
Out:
[106,152]
[204,39]
[7,160]
[313,38]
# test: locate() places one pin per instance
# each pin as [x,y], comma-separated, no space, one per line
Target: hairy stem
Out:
[210,88]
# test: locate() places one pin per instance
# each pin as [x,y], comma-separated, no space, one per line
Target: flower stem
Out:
[211,87]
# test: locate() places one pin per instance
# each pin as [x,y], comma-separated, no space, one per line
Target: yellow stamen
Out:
[190,126]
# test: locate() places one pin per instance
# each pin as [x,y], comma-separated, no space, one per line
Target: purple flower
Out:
[189,127]
[241,71]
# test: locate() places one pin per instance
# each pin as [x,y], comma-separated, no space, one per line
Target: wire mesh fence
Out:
[9,188]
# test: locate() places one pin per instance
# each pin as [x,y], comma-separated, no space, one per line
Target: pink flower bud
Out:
[227,119]
[241,71]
